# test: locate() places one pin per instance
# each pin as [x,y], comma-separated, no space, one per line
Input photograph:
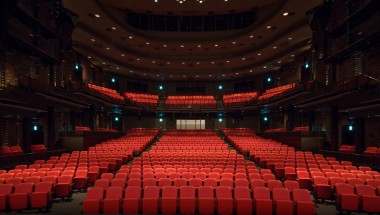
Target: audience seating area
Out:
[106,130]
[347,148]
[238,99]
[6,150]
[275,130]
[276,91]
[372,150]
[353,188]
[142,99]
[107,92]
[192,172]
[190,101]
[34,186]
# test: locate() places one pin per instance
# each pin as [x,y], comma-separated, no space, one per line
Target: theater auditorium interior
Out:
[190,107]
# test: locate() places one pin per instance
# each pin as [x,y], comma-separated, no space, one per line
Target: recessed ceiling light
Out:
[197,76]
[153,61]
[212,62]
[269,26]
[198,63]
[147,43]
[237,73]
[216,45]
[182,46]
[251,36]
[144,74]
[168,62]
[122,55]
[104,63]
[138,59]
[264,67]
[158,75]
[292,55]
[130,71]
[130,37]
[258,54]
[89,57]
[227,61]
[117,68]
[183,62]
[97,15]
[223,75]
[290,38]
[251,71]
[155,0]
[279,61]
[184,76]
[209,75]
[243,58]
[113,28]
[107,48]
[285,14]
[171,76]
[92,39]
[234,42]
[199,46]
[274,47]
[165,45]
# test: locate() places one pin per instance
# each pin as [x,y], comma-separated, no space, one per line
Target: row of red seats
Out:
[191,200]
[275,130]
[347,148]
[106,91]
[6,150]
[371,150]
[276,91]
[194,101]
[238,98]
[142,99]
[26,196]
[106,130]
[316,171]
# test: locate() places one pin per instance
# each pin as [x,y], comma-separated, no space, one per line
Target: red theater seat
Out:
[243,200]
[112,201]
[150,200]
[132,198]
[282,201]
[20,198]
[5,191]
[303,202]
[370,203]
[262,200]
[187,200]
[169,200]
[346,199]
[206,200]
[42,195]
[92,202]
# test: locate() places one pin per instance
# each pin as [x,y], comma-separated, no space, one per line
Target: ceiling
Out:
[278,35]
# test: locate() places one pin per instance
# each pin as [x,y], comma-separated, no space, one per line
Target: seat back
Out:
[114,193]
[301,195]
[271,184]
[242,193]
[365,190]
[24,188]
[103,183]
[261,193]
[187,192]
[95,193]
[205,192]
[151,192]
[133,192]
[6,189]
[65,179]
[342,188]
[281,194]
[45,187]
[169,192]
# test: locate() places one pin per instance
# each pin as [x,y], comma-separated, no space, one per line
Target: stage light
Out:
[116,119]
